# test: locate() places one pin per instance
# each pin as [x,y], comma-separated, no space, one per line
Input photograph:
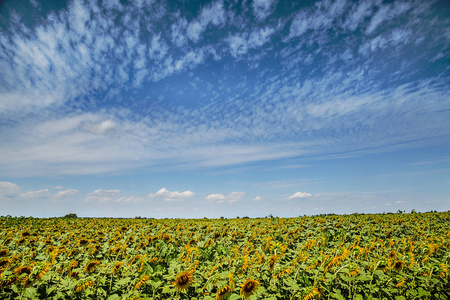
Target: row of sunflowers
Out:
[383,256]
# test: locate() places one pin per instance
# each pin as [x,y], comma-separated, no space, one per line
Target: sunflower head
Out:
[4,252]
[4,263]
[272,261]
[83,242]
[249,287]
[223,292]
[183,281]
[90,267]
[23,270]
[116,268]
[399,265]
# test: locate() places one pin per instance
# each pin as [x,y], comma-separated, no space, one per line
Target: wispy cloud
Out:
[263,8]
[82,94]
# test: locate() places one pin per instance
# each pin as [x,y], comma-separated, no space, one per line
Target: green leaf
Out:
[30,292]
[123,281]
[234,297]
[423,292]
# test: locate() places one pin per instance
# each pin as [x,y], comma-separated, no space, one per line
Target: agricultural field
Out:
[383,256]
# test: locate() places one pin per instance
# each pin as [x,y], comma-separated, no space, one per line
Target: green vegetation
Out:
[385,256]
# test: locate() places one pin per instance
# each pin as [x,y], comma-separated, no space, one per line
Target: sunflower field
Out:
[383,256]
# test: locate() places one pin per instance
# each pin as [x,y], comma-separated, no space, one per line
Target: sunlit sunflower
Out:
[223,292]
[249,287]
[183,281]
[399,265]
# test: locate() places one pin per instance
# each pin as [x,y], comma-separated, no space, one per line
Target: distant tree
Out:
[71,215]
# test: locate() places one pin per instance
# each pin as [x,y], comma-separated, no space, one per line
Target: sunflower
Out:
[4,252]
[23,270]
[223,292]
[90,267]
[183,281]
[398,265]
[116,268]
[249,287]
[272,261]
[83,242]
[4,263]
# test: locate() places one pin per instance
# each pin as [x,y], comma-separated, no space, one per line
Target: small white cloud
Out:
[66,193]
[231,197]
[8,189]
[300,195]
[257,198]
[101,195]
[171,196]
[215,197]
[399,202]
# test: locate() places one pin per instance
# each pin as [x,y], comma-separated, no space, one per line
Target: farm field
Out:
[383,256]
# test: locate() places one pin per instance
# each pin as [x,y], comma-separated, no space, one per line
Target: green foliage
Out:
[388,256]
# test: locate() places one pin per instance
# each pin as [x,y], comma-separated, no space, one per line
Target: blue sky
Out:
[224,108]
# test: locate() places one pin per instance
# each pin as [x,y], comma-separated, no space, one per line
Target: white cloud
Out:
[386,13]
[100,128]
[263,8]
[66,193]
[241,43]
[235,196]
[358,13]
[158,48]
[171,196]
[8,189]
[212,14]
[215,197]
[321,17]
[257,198]
[44,193]
[299,195]
[178,30]
[102,195]
[231,197]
